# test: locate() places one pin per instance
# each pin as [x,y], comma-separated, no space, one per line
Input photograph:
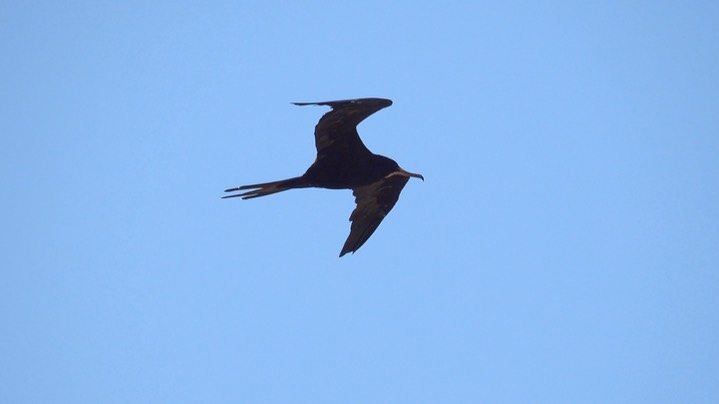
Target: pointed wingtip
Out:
[345,251]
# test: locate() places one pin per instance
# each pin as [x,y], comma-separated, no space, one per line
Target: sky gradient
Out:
[564,247]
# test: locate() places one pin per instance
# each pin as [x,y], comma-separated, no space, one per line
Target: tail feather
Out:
[267,188]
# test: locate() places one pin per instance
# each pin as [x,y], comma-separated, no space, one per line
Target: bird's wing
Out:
[374,201]
[336,133]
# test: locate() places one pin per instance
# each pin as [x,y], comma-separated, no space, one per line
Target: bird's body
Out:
[344,162]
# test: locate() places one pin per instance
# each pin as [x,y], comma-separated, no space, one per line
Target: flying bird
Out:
[344,162]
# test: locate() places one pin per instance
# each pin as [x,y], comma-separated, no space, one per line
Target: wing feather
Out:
[336,133]
[374,201]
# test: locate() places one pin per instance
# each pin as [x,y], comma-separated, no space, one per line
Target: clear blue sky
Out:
[564,247]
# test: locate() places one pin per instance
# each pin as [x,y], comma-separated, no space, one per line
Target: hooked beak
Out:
[409,174]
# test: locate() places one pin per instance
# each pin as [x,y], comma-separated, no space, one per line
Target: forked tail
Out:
[267,188]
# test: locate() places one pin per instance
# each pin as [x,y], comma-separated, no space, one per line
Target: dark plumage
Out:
[344,162]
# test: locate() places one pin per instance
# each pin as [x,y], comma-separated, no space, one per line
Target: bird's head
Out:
[386,166]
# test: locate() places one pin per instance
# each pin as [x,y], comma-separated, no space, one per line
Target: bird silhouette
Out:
[344,162]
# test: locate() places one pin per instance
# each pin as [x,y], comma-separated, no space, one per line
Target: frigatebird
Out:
[344,162]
